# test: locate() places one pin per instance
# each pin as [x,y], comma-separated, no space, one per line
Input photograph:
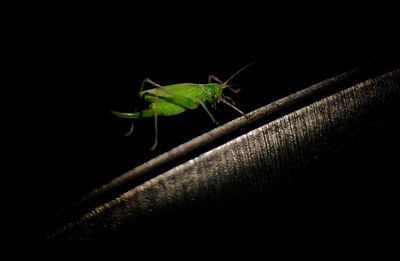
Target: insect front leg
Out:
[235,91]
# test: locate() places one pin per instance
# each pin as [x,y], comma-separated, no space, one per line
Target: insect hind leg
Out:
[147,80]
[131,129]
[130,132]
[155,124]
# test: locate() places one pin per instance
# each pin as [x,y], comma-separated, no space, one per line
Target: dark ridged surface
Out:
[296,158]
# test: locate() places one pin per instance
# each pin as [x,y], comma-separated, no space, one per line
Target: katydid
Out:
[174,99]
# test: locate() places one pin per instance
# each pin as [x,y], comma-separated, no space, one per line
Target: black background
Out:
[76,70]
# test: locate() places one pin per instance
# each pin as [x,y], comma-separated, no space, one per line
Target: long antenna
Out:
[236,73]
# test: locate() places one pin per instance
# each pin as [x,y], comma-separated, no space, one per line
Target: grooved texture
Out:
[288,155]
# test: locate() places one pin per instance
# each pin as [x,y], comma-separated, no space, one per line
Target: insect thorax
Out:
[213,92]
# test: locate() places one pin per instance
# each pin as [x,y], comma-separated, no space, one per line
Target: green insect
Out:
[174,99]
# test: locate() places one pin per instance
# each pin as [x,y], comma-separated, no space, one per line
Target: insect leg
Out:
[133,125]
[214,78]
[235,91]
[208,112]
[231,105]
[228,98]
[146,80]
[129,133]
[155,124]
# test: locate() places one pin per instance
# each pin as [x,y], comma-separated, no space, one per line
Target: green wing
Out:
[186,95]
[188,90]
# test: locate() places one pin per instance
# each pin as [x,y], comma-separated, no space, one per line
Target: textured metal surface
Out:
[286,156]
[119,184]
